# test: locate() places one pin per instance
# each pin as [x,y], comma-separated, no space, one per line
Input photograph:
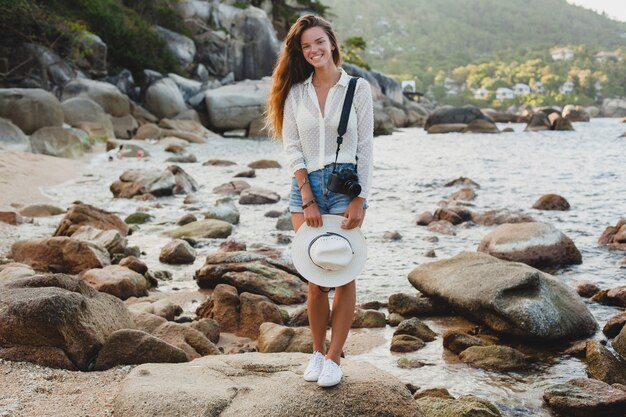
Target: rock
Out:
[464,181]
[177,252]
[223,307]
[51,357]
[508,297]
[219,163]
[551,202]
[447,128]
[577,349]
[442,226]
[501,216]
[614,236]
[464,406]
[208,327]
[368,319]
[447,215]
[586,289]
[106,95]
[383,125]
[41,210]
[604,365]
[584,397]
[457,341]
[186,338]
[186,219]
[232,188]
[12,138]
[409,305]
[561,123]
[124,127]
[231,245]
[613,107]
[85,215]
[406,343]
[258,196]
[163,99]
[614,325]
[406,363]
[284,222]
[255,310]
[438,392]
[163,308]
[118,281]
[11,217]
[59,311]
[613,297]
[619,343]
[133,347]
[481,126]
[455,115]
[430,253]
[30,109]
[252,273]
[393,236]
[138,218]
[110,239]
[464,194]
[264,164]
[536,244]
[575,113]
[395,319]
[134,264]
[188,126]
[182,159]
[500,117]
[417,328]
[56,141]
[183,48]
[538,122]
[148,131]
[60,254]
[494,357]
[235,106]
[207,387]
[276,338]
[15,270]
[425,218]
[224,209]
[83,109]
[208,228]
[172,180]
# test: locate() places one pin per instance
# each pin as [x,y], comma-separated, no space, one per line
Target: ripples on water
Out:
[514,169]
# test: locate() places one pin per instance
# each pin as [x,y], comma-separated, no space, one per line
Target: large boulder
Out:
[276,338]
[111,239]
[235,106]
[224,209]
[177,252]
[108,96]
[61,313]
[84,109]
[614,236]
[536,244]
[500,216]
[253,273]
[255,310]
[257,195]
[455,115]
[12,138]
[57,141]
[30,109]
[208,229]
[117,280]
[551,202]
[179,45]
[575,113]
[585,397]
[613,107]
[86,215]
[538,122]
[223,307]
[494,357]
[163,99]
[464,406]
[207,386]
[60,254]
[509,297]
[172,180]
[602,364]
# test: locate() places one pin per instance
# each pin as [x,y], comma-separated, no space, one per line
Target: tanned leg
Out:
[343,315]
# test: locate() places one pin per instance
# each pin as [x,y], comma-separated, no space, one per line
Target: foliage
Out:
[287,11]
[352,49]
[159,12]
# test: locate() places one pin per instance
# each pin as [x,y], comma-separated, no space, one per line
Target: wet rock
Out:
[106,95]
[12,138]
[224,209]
[133,347]
[604,365]
[536,244]
[439,392]
[231,245]
[551,202]
[586,289]
[464,406]
[464,194]
[208,228]
[248,173]
[118,281]
[481,126]
[208,327]
[447,215]
[85,215]
[30,109]
[110,239]
[447,128]
[560,123]
[501,216]
[614,325]
[15,270]
[424,219]
[41,210]
[172,180]
[252,273]
[264,164]
[494,357]
[619,343]
[368,319]
[57,141]
[407,363]
[430,253]
[186,219]
[60,254]
[577,349]
[538,122]
[162,308]
[219,163]
[575,113]
[395,319]
[177,252]
[406,343]
[186,338]
[449,114]
[134,264]
[508,297]
[393,236]
[284,222]
[276,338]
[258,196]
[409,305]
[417,328]
[255,310]
[209,384]
[11,217]
[584,397]
[614,236]
[223,307]
[442,226]
[138,218]
[457,341]
[182,159]
[59,311]
[463,181]
[235,187]
[613,297]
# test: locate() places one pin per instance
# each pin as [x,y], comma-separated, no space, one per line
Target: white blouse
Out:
[310,138]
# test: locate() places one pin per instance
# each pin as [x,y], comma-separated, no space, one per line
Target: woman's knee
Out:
[318,293]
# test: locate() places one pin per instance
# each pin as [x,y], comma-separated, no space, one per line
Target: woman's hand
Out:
[312,216]
[355,213]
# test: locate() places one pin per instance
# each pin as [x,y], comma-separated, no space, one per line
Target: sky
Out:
[616,9]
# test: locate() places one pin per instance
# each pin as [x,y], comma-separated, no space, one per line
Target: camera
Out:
[344,182]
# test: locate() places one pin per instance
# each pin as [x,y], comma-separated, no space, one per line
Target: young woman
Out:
[304,108]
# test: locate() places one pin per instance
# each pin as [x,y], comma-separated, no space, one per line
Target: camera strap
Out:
[345,115]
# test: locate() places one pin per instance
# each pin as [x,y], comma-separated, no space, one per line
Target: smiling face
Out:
[317,48]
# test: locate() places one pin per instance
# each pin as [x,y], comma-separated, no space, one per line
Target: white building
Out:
[481,93]
[503,93]
[539,89]
[562,54]
[521,89]
[604,56]
[566,88]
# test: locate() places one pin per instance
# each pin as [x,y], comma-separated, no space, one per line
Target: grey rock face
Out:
[30,109]
[181,46]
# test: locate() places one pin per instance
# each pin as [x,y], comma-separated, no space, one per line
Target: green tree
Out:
[352,49]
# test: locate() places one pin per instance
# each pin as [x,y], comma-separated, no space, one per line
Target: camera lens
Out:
[353,189]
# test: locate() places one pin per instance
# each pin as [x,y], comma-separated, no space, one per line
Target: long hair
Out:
[291,68]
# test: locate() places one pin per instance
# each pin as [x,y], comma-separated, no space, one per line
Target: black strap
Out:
[345,115]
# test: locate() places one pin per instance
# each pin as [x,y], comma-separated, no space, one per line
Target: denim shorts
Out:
[327,201]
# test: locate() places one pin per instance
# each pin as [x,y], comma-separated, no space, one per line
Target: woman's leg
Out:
[343,315]
[318,308]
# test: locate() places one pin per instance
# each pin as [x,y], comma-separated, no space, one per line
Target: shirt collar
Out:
[343,80]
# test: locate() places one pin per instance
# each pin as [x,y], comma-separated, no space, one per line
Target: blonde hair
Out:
[291,68]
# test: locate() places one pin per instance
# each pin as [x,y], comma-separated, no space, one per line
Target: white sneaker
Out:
[331,374]
[313,370]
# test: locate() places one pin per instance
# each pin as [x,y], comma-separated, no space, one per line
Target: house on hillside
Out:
[539,89]
[504,93]
[604,56]
[481,93]
[562,54]
[566,88]
[521,89]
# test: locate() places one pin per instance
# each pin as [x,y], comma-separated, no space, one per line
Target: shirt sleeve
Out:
[365,130]
[291,137]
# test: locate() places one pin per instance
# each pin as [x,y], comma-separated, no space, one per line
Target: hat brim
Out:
[319,276]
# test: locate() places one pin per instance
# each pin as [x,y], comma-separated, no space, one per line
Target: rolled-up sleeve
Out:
[291,138]
[365,129]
